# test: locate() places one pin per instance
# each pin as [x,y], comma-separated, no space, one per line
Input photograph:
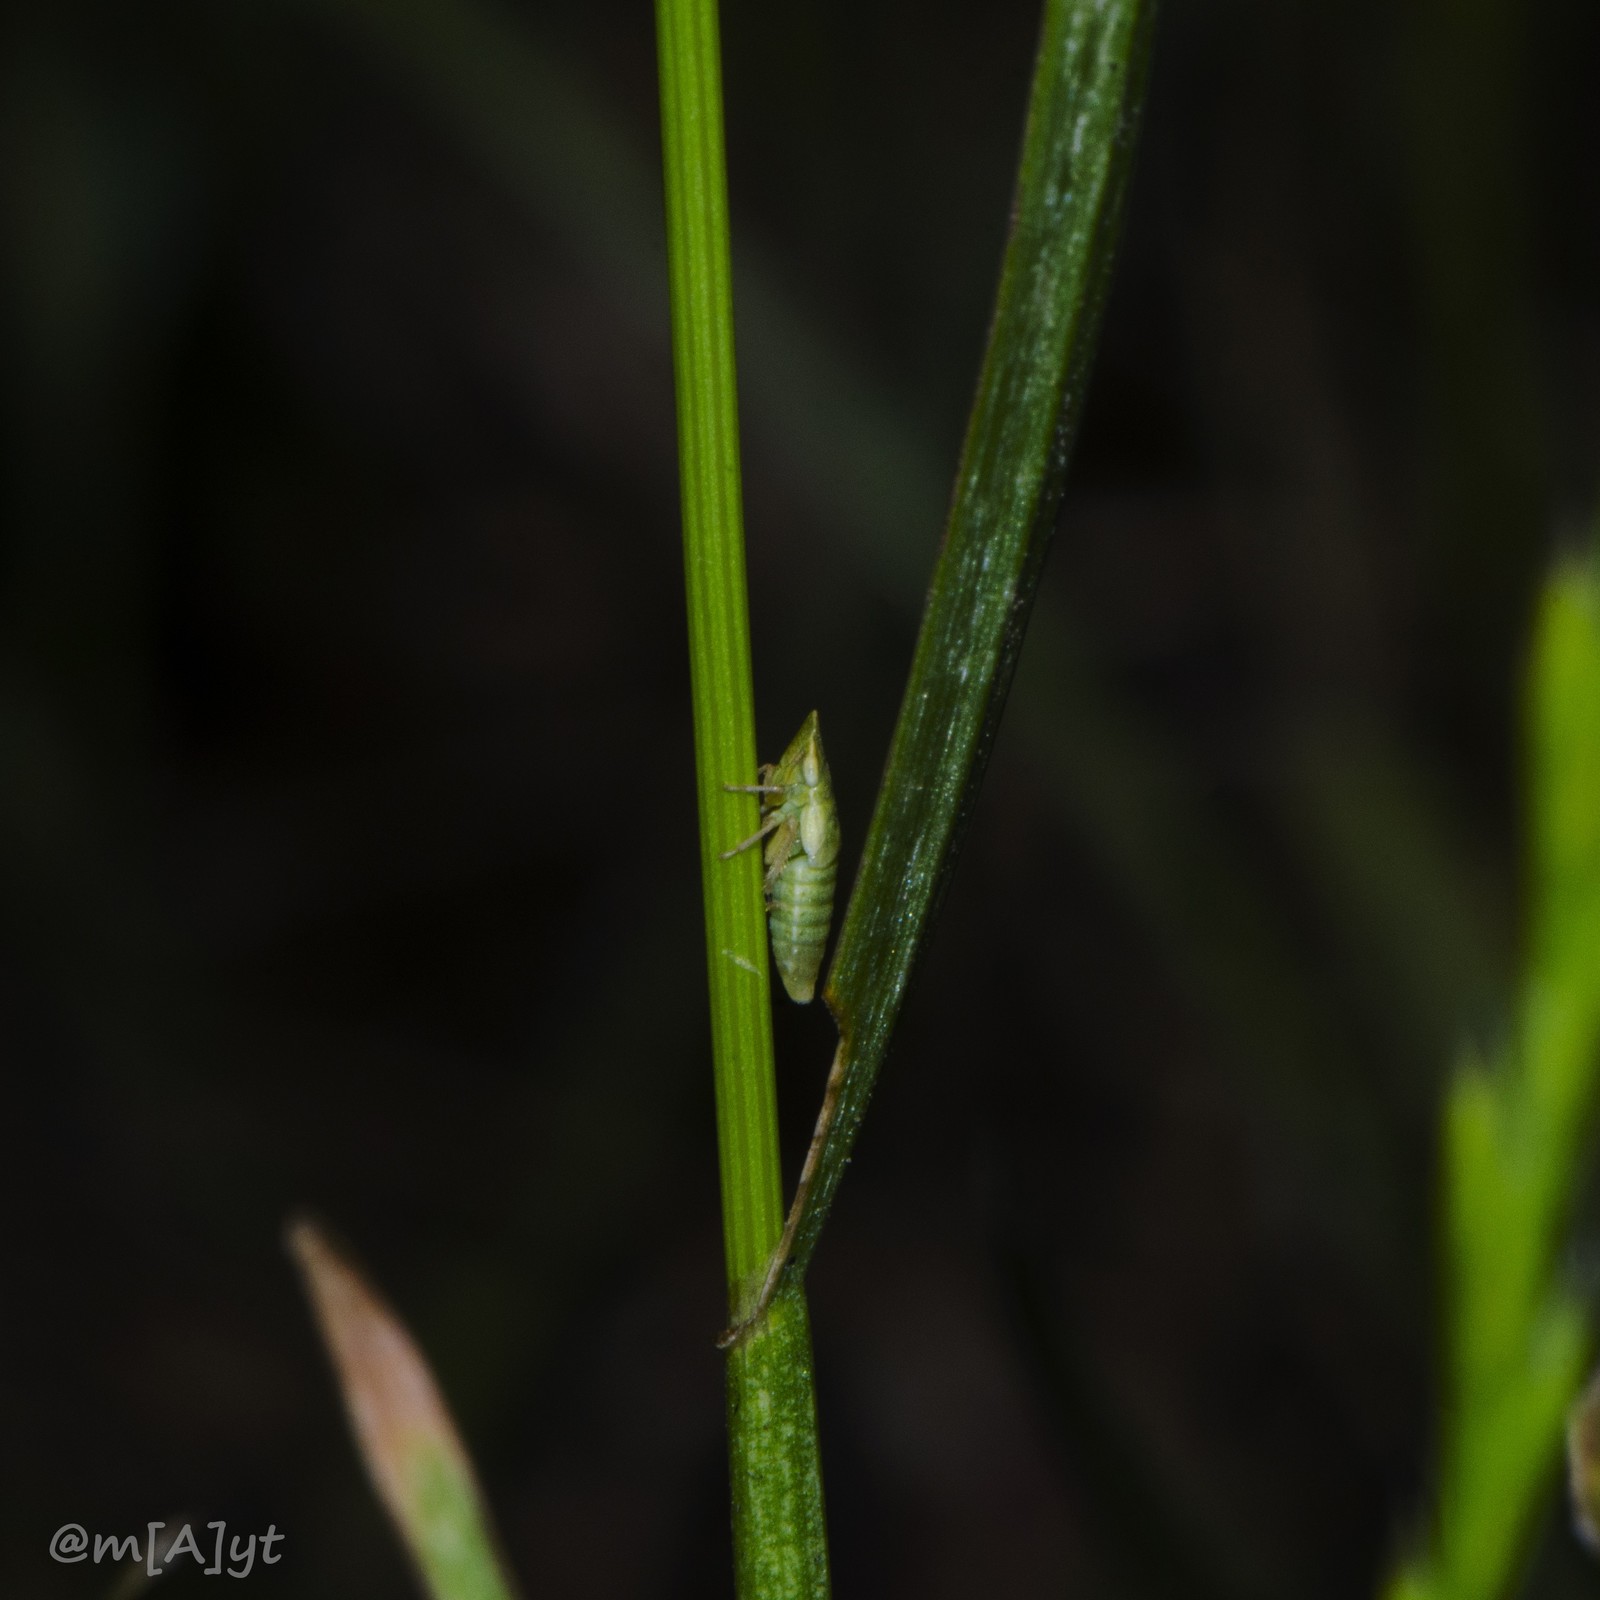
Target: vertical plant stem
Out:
[719,627]
[779,1541]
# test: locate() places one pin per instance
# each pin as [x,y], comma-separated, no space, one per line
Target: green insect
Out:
[801,827]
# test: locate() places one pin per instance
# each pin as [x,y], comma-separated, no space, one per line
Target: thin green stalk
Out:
[780,1546]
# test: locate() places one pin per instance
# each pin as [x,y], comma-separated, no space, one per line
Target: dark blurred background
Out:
[347,855]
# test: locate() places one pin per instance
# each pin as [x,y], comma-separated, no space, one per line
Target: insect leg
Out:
[763,784]
[755,838]
[780,850]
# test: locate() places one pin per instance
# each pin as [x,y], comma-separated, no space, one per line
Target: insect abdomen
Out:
[802,908]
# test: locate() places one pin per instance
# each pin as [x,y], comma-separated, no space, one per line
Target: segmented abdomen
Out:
[802,908]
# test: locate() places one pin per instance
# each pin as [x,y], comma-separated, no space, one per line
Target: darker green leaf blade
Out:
[1077,153]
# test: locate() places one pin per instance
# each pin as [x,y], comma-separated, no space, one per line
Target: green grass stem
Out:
[779,1540]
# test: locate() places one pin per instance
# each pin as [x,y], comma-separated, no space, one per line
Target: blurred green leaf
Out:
[1516,1337]
[402,1428]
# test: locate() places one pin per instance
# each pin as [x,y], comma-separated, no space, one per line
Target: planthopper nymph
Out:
[801,828]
